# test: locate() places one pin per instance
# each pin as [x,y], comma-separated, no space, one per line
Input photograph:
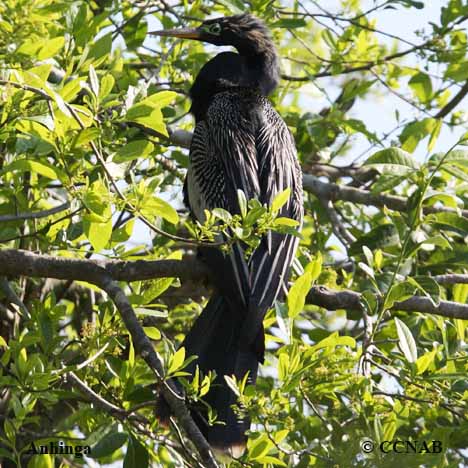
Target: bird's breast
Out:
[240,109]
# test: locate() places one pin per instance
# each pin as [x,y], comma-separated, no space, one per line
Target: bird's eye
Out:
[215,28]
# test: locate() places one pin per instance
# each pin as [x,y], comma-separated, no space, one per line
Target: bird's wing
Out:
[205,183]
[222,161]
[278,169]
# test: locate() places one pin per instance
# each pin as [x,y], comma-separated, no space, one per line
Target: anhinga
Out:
[239,143]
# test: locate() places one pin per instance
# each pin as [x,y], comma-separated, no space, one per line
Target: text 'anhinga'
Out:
[239,143]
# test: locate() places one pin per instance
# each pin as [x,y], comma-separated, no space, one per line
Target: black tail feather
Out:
[215,339]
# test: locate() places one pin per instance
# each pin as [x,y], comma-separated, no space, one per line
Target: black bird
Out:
[239,143]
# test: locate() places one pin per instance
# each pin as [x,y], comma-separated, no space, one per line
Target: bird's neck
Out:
[261,61]
[255,69]
[262,70]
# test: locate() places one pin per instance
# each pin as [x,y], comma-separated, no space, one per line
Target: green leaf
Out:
[97,223]
[155,206]
[458,158]
[97,203]
[30,46]
[392,161]
[101,47]
[51,48]
[137,456]
[421,85]
[157,287]
[283,366]
[25,165]
[281,221]
[123,233]
[93,81]
[398,293]
[232,384]
[107,84]
[385,235]
[406,341]
[298,293]
[42,460]
[149,117]
[71,89]
[289,23]
[368,270]
[223,215]
[457,71]
[352,126]
[434,135]
[260,447]
[447,200]
[37,138]
[3,343]
[135,31]
[242,202]
[133,150]
[333,340]
[109,444]
[98,233]
[152,332]
[449,222]
[280,200]
[42,71]
[159,100]
[85,136]
[416,131]
[315,267]
[151,312]
[439,241]
[369,256]
[428,286]
[148,111]
[177,361]
[424,361]
[9,430]
[460,294]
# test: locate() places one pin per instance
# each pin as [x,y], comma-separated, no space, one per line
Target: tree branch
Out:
[98,400]
[35,214]
[334,192]
[453,102]
[451,278]
[351,300]
[23,263]
[365,67]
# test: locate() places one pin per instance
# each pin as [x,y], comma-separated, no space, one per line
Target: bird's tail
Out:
[215,339]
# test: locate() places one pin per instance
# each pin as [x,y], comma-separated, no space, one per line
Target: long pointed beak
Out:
[185,33]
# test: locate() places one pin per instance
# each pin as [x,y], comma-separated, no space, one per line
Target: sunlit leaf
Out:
[298,293]
[406,341]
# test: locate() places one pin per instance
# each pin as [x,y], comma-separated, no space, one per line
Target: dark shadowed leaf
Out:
[109,444]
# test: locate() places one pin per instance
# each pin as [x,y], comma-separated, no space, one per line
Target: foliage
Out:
[86,102]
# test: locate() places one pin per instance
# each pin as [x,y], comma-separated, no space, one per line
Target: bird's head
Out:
[245,32]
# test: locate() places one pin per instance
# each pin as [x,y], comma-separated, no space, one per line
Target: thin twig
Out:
[35,214]
[101,402]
